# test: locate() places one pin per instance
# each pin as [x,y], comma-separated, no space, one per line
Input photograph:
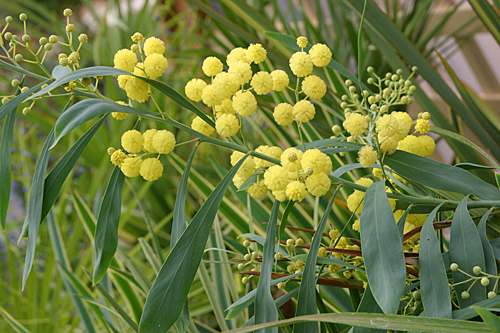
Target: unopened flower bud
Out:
[290,241]
[476,270]
[278,256]
[384,109]
[374,107]
[290,248]
[26,38]
[254,255]
[485,282]
[5,100]
[63,62]
[111,150]
[8,35]
[426,115]
[352,89]
[25,89]
[19,57]
[23,17]
[351,139]
[47,47]
[137,37]
[395,77]
[15,38]
[336,129]
[241,267]
[135,48]
[247,257]
[491,294]
[246,243]
[414,69]
[43,40]
[15,83]
[67,12]
[83,38]
[281,285]
[70,27]
[53,39]
[299,242]
[292,157]
[26,111]
[465,295]
[290,268]
[308,171]
[348,83]
[372,99]
[73,58]
[302,41]
[405,100]
[454,267]
[62,55]
[387,92]
[333,234]
[417,295]
[245,280]
[9,19]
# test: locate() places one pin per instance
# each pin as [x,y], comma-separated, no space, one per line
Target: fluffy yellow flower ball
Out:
[280,195]
[304,111]
[427,145]
[320,54]
[283,114]
[276,178]
[225,84]
[238,181]
[153,45]
[237,54]
[120,115]
[402,131]
[244,103]
[122,80]
[256,53]
[355,123]
[409,144]
[257,190]
[280,80]
[274,152]
[155,65]
[151,169]
[328,165]
[227,125]
[314,87]
[248,164]
[132,141]
[315,159]
[211,96]
[212,66]
[137,89]
[296,191]
[148,140]
[291,159]
[125,60]
[423,126]
[388,145]
[301,64]
[118,157]
[377,172]
[194,89]
[262,83]
[387,125]
[201,126]
[226,107]
[319,184]
[163,141]
[355,198]
[367,156]
[131,166]
[241,71]
[137,37]
[403,116]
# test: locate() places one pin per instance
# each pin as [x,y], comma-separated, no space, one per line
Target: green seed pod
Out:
[23,17]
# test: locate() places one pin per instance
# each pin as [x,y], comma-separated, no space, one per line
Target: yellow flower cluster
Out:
[133,142]
[357,196]
[153,66]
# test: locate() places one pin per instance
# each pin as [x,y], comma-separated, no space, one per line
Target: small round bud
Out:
[387,82]
[407,83]
[352,89]
[426,115]
[370,80]
[348,83]
[336,129]
[15,38]
[26,38]
[392,84]
[245,280]
[83,38]
[476,270]
[278,256]
[44,86]
[74,57]
[247,243]
[111,150]
[347,110]
[454,267]
[26,111]
[374,107]
[395,77]
[399,71]
[53,39]
[355,96]
[299,242]
[281,285]
[67,12]
[64,62]
[18,57]
[137,37]
[47,47]
[9,19]
[491,294]
[292,157]
[372,99]
[384,108]
[43,40]
[86,81]
[387,92]
[247,257]
[241,267]
[412,88]
[417,295]
[333,234]
[15,83]
[345,98]
[414,69]
[308,171]
[290,248]
[401,82]
[351,139]
[254,255]
[23,17]
[5,100]
[344,105]
[302,42]
[388,75]
[70,27]
[61,55]
[404,99]
[369,69]
[290,241]
[465,295]
[409,101]
[135,48]
[25,89]
[485,282]
[8,35]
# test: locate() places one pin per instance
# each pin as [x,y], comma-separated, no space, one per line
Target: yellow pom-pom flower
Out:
[423,126]
[212,66]
[155,65]
[274,152]
[241,71]
[120,115]
[318,184]
[320,54]
[276,178]
[301,64]
[248,164]
[314,87]
[355,123]
[303,111]
[403,116]
[225,84]
[377,172]
[291,159]
[163,141]
[201,126]
[137,89]
[280,195]
[227,125]
[301,42]
[427,145]
[388,145]
[402,131]
[153,45]
[131,166]
[262,83]
[257,190]
[132,141]
[328,165]
[280,80]
[226,107]
[151,169]
[194,89]
[387,125]
[125,60]
[283,114]
[296,191]
[118,157]
[137,37]
[367,156]
[238,181]
[211,96]
[409,144]
[237,54]
[244,103]
[256,53]
[148,140]
[315,159]
[122,80]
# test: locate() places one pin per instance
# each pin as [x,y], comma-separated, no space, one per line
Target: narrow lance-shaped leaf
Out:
[489,255]
[265,309]
[20,70]
[106,233]
[433,279]
[168,294]
[306,303]
[368,304]
[489,318]
[382,249]
[5,167]
[466,251]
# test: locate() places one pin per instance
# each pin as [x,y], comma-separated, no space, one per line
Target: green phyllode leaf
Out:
[382,249]
[433,278]
[489,318]
[368,304]
[489,254]
[5,166]
[168,294]
[466,251]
